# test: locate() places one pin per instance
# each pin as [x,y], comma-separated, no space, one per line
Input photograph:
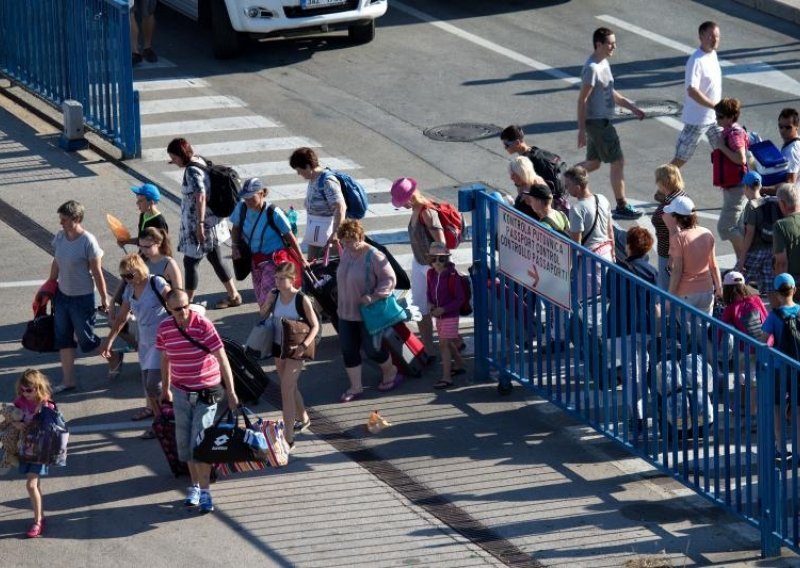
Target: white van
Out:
[232,20]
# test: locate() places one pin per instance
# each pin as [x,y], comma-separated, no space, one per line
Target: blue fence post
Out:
[768,482]
[469,200]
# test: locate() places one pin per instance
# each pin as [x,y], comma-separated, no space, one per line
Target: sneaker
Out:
[206,504]
[782,456]
[627,212]
[150,55]
[300,426]
[192,496]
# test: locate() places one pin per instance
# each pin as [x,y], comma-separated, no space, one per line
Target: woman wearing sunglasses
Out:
[144,297]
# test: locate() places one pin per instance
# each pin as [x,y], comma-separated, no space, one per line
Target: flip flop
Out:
[396,382]
[443,385]
[350,396]
[143,414]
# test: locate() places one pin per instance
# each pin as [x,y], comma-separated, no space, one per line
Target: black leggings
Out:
[193,276]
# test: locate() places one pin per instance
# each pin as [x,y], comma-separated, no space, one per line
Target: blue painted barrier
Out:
[677,387]
[75,49]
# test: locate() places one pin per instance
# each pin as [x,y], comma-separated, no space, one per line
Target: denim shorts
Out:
[75,318]
[36,468]
[191,418]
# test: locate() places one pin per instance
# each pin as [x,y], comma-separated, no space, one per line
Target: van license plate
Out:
[310,4]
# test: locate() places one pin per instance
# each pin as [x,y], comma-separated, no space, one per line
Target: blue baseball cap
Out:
[148,191]
[783,280]
[751,178]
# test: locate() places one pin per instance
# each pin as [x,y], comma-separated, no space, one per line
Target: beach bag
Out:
[223,441]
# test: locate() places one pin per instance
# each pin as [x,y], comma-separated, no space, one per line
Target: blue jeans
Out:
[75,318]
[191,418]
[353,337]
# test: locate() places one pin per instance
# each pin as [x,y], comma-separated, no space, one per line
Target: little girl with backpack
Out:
[745,311]
[33,392]
[446,297]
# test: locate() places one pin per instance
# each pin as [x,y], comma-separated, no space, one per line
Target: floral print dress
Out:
[196,180]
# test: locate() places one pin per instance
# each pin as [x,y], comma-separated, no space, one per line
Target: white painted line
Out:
[755,73]
[188,104]
[265,170]
[236,147]
[160,64]
[491,46]
[22,284]
[222,124]
[295,190]
[150,85]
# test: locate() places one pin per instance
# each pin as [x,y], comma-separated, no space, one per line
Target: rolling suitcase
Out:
[407,351]
[319,282]
[164,428]
[249,379]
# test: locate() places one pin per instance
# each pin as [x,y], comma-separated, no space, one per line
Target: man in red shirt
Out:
[195,366]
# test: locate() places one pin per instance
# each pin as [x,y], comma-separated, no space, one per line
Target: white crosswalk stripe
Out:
[186,104]
[150,85]
[222,124]
[236,147]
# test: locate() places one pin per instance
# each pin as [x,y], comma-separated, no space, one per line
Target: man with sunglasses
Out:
[194,368]
[788,122]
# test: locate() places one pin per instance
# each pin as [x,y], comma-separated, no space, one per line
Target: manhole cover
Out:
[654,107]
[462,132]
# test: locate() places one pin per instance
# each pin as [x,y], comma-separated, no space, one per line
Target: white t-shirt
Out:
[704,74]
[791,152]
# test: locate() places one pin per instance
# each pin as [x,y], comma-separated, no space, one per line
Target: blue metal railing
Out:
[671,383]
[75,49]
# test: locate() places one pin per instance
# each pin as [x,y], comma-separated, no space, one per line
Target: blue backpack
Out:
[355,196]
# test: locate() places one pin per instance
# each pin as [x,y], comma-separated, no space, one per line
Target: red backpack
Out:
[452,223]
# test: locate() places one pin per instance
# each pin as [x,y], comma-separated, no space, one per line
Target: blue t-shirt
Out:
[264,238]
[773,325]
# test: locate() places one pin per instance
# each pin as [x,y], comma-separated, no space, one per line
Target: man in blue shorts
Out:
[596,103]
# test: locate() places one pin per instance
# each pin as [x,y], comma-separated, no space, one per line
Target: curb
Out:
[788,10]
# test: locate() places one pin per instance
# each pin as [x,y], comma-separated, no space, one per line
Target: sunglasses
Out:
[179,308]
[128,276]
[26,389]
[509,143]
[439,258]
[785,126]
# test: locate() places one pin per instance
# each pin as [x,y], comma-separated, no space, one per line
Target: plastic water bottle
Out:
[291,214]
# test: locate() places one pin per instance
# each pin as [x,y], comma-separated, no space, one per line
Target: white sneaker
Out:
[192,496]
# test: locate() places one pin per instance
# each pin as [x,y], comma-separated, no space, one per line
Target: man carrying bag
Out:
[194,368]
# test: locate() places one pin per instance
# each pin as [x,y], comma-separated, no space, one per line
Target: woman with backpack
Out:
[424,228]
[325,204]
[144,298]
[287,301]
[264,230]
[201,232]
[729,162]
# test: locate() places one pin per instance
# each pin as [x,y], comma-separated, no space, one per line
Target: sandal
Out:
[147,434]
[143,414]
[350,396]
[114,372]
[396,381]
[35,531]
[443,385]
[229,302]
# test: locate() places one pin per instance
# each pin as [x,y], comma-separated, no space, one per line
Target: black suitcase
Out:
[319,282]
[249,379]
[402,281]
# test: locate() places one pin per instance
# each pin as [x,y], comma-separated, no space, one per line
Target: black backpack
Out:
[550,166]
[768,214]
[789,344]
[223,192]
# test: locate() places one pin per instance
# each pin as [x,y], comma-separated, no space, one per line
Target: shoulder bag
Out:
[243,265]
[383,313]
[223,441]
